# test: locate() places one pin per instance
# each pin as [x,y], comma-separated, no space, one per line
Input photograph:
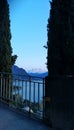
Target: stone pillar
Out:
[59,102]
[47,118]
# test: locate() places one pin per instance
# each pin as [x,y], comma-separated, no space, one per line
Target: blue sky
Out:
[29,32]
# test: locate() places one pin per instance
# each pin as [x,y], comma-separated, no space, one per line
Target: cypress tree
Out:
[61,38]
[6,58]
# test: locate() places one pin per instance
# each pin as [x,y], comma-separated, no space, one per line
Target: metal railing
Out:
[24,93]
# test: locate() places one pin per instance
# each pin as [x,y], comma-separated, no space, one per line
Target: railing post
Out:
[34,93]
[6,88]
[9,86]
[1,85]
[26,93]
[18,84]
[43,98]
[22,91]
[29,95]
[38,95]
[15,97]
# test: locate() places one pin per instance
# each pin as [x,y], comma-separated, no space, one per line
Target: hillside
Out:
[22,72]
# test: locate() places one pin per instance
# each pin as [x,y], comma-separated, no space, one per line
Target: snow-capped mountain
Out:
[42,75]
[37,70]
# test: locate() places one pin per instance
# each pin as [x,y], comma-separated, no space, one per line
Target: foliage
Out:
[7,60]
[60,60]
[17,101]
[13,59]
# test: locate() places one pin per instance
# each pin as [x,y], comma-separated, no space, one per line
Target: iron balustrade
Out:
[24,93]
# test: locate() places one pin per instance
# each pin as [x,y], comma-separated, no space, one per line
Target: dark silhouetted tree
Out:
[6,58]
[61,38]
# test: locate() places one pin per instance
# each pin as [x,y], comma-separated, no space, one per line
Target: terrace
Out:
[10,119]
[21,102]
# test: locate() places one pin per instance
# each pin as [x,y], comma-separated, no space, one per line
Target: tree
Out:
[6,58]
[60,28]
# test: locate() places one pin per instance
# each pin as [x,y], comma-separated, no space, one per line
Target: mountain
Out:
[19,71]
[37,70]
[36,73]
[42,75]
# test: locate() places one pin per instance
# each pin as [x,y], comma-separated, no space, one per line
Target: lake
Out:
[29,90]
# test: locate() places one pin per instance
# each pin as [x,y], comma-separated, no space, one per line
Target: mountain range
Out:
[20,71]
[42,75]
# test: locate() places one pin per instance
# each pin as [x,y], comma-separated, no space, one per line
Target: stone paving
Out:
[12,120]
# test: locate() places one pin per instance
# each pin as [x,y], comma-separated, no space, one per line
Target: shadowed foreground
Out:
[12,120]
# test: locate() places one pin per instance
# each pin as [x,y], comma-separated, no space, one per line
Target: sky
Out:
[29,20]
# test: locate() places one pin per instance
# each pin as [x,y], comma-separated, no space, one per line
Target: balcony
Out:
[21,102]
[23,93]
